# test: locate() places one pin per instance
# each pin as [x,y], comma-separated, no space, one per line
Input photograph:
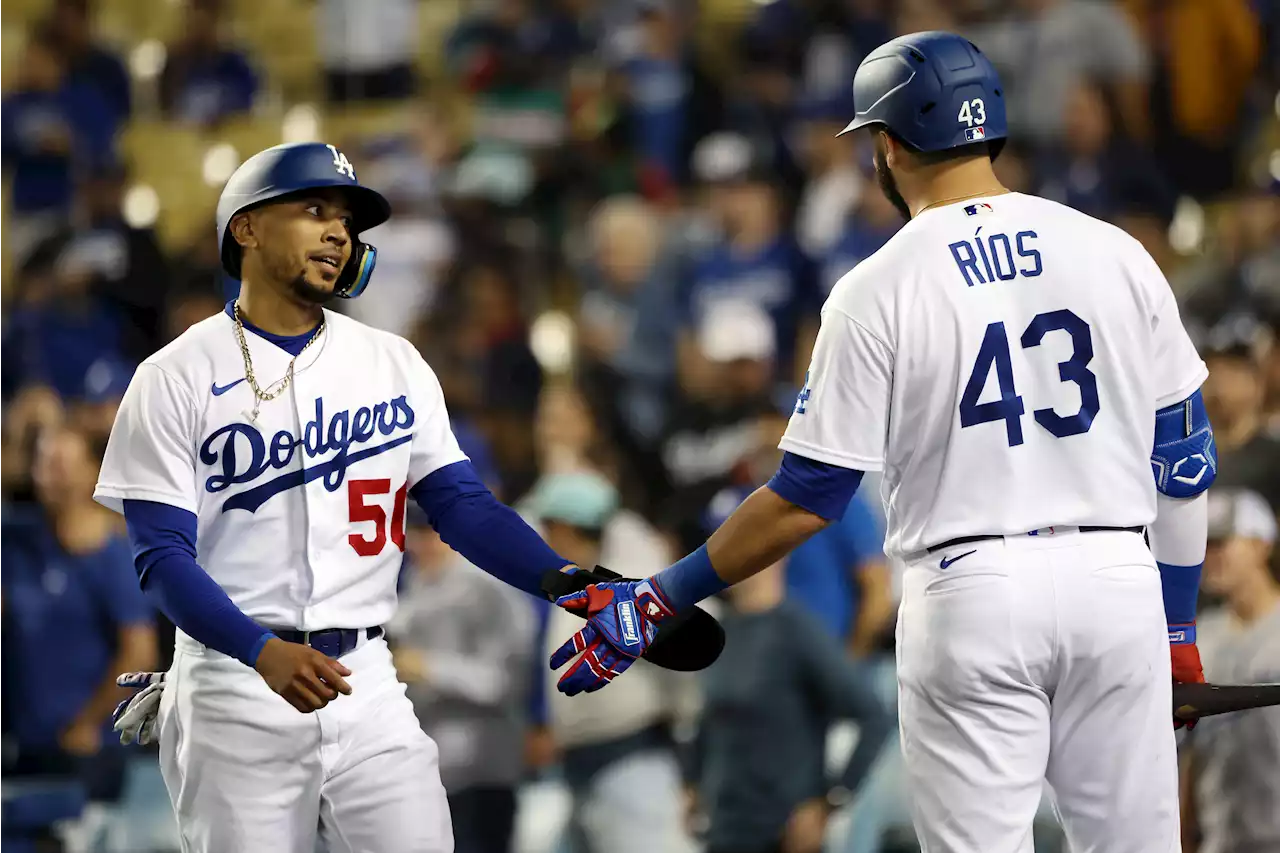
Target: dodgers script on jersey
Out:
[301,512]
[1001,360]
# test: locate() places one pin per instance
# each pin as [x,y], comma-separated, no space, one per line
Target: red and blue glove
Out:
[1185,659]
[622,620]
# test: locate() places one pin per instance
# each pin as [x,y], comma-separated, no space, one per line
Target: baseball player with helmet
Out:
[262,462]
[1018,371]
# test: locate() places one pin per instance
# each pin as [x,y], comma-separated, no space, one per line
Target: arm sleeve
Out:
[842,414]
[434,444]
[478,526]
[1178,543]
[844,690]
[164,555]
[151,453]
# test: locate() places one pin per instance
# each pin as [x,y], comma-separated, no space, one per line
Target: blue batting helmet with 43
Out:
[933,90]
[292,169]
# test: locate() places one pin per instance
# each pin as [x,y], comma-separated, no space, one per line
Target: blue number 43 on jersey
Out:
[994,352]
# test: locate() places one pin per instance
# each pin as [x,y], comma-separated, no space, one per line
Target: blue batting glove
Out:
[622,620]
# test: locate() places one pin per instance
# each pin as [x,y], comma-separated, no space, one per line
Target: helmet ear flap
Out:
[355,277]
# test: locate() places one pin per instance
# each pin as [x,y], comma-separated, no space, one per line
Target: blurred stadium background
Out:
[615,222]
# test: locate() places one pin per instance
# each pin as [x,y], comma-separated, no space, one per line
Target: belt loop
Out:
[306,639]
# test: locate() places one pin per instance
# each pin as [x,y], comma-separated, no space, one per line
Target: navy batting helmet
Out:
[933,90]
[291,169]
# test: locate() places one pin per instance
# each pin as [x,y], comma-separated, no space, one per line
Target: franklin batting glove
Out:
[622,620]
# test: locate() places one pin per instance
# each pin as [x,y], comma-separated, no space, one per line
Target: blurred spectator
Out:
[1206,52]
[710,441]
[841,577]
[754,260]
[74,618]
[1230,784]
[477,341]
[88,63]
[659,85]
[835,183]
[864,230]
[416,245]
[61,328]
[1241,270]
[759,758]
[204,80]
[463,643]
[33,411]
[1095,170]
[1248,453]
[1047,50]
[368,48]
[627,321]
[93,411]
[52,126]
[186,308]
[616,749]
[124,265]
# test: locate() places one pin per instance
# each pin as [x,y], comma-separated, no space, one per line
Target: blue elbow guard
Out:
[1185,459]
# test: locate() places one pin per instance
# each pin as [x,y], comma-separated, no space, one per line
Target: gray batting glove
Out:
[135,717]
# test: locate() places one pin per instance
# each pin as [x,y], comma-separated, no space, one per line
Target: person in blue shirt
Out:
[204,80]
[87,62]
[841,577]
[49,126]
[755,259]
[74,618]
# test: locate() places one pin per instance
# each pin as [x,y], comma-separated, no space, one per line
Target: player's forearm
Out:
[763,530]
[801,499]
[163,539]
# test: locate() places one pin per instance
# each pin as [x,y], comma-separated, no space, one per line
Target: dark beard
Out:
[308,292]
[888,185]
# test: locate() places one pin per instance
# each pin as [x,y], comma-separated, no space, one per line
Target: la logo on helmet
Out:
[341,163]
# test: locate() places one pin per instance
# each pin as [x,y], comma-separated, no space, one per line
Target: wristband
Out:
[690,580]
[1182,635]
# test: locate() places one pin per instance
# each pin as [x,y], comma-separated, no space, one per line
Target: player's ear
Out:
[890,147]
[241,228]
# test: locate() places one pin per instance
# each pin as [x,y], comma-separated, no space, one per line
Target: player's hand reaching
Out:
[1185,658]
[622,620]
[307,679]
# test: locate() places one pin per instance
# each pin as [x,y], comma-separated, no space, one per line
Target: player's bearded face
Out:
[301,251]
[884,177]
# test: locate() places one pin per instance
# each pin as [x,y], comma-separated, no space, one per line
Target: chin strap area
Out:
[355,278]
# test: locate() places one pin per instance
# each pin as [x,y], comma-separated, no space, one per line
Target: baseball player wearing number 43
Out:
[1020,374]
[262,462]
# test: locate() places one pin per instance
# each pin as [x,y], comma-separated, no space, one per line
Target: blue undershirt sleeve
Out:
[823,489]
[164,555]
[481,528]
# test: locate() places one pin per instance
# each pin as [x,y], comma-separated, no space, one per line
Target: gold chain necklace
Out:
[959,198]
[259,395]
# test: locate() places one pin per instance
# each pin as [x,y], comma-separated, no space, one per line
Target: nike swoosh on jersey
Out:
[219,390]
[947,562]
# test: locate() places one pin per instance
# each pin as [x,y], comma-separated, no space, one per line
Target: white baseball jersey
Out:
[301,514]
[1001,360]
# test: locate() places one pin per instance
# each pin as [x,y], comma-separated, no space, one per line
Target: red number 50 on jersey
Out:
[358,491]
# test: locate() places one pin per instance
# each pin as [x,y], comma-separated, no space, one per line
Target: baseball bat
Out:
[1193,701]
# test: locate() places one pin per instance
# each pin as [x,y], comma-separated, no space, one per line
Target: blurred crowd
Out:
[615,222]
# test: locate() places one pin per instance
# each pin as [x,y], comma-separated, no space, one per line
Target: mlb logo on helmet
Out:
[974,134]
